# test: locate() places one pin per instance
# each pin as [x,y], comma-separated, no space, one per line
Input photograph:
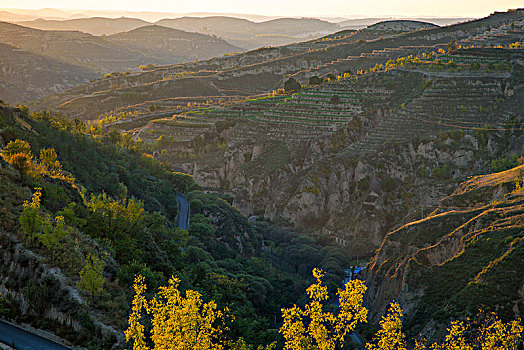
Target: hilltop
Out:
[93,25]
[252,35]
[366,22]
[167,43]
[401,26]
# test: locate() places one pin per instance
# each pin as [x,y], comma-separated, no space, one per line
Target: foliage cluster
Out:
[187,323]
[115,219]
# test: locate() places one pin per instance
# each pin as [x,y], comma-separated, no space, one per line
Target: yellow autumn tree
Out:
[493,334]
[389,336]
[179,322]
[455,339]
[16,147]
[314,328]
[497,335]
[48,159]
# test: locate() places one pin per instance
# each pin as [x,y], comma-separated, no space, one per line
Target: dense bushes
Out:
[121,207]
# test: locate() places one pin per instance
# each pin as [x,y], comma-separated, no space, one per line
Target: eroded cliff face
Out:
[357,199]
[360,157]
[451,263]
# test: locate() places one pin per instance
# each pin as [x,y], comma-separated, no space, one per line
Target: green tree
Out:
[31,221]
[335,99]
[91,279]
[53,235]
[314,80]
[196,205]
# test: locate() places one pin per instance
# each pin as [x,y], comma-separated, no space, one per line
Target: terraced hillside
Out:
[455,260]
[345,156]
[263,70]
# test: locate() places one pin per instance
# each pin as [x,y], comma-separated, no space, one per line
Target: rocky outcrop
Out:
[468,250]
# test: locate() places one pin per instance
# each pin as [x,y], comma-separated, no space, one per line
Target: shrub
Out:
[388,184]
[17,147]
[91,279]
[335,99]
[498,165]
[196,205]
[291,85]
[314,80]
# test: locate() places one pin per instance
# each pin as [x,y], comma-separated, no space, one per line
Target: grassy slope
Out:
[224,257]
[456,261]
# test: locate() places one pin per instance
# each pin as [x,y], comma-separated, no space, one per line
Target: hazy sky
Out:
[347,8]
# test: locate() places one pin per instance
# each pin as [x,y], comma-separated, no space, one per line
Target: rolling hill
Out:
[365,22]
[60,59]
[167,43]
[119,53]
[25,76]
[92,25]
[252,35]
[73,47]
[331,156]
[464,256]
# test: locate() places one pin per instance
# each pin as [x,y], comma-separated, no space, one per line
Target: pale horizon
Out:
[273,8]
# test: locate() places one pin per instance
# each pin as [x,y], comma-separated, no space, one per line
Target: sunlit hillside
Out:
[239,176]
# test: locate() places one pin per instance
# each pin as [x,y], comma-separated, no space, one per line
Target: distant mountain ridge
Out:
[252,35]
[92,25]
[166,43]
[241,32]
[35,63]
